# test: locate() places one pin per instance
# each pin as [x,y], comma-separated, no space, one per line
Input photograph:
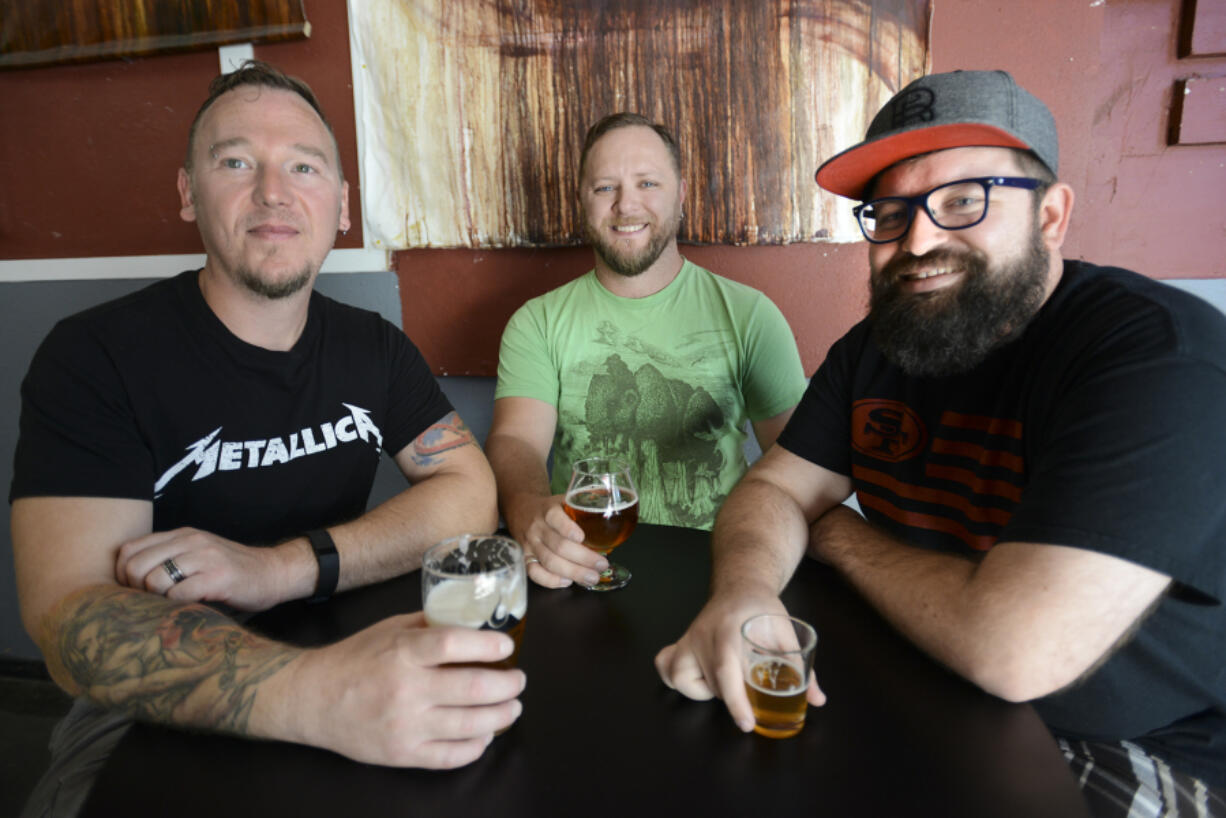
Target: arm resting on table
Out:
[1025,621]
[156,658]
[452,492]
[381,696]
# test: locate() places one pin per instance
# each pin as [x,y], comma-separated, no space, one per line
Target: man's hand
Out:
[541,526]
[759,536]
[518,444]
[215,569]
[384,695]
[706,660]
[391,697]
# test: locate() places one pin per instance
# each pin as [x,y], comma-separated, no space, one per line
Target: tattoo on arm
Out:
[449,433]
[139,652]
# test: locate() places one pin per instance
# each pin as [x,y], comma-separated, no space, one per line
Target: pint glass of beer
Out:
[776,658]
[477,581]
[602,499]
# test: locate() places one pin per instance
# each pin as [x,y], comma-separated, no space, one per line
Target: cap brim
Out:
[848,173]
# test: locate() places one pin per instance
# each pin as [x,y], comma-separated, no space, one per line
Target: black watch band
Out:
[329,563]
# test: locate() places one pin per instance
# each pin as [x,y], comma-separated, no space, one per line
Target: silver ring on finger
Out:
[176,576]
[530,560]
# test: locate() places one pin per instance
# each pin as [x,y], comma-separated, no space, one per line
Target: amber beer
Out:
[776,691]
[602,499]
[607,521]
[776,658]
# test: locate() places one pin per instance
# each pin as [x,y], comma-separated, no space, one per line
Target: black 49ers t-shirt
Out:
[1103,427]
[151,397]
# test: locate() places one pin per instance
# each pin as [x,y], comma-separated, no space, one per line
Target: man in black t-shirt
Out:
[1036,446]
[213,439]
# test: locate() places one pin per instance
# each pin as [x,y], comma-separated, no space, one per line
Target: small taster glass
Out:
[777,658]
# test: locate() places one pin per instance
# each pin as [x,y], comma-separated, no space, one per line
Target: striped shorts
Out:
[1121,780]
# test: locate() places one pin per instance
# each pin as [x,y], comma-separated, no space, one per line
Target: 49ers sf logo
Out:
[887,430]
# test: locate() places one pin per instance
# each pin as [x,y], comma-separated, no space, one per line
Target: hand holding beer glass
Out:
[776,659]
[602,499]
[477,581]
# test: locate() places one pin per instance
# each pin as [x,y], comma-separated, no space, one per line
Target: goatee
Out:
[274,290]
[951,330]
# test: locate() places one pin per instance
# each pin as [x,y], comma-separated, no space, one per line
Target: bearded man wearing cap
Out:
[1036,445]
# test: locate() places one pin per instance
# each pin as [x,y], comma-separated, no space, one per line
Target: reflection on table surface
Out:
[601,735]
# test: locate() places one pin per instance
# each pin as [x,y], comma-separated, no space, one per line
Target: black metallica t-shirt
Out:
[151,397]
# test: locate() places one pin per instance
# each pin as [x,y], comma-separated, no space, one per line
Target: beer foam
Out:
[475,602]
[773,668]
[604,510]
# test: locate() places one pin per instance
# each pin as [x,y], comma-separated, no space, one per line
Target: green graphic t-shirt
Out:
[665,382]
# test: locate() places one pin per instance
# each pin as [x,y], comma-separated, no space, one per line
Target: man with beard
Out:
[1037,449]
[648,357]
[208,443]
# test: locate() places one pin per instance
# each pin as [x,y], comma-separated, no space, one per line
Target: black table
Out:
[601,735]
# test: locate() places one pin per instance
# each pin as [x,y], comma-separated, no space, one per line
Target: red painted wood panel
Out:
[1198,115]
[1203,31]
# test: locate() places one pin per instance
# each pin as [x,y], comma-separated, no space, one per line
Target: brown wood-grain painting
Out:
[475,110]
[44,32]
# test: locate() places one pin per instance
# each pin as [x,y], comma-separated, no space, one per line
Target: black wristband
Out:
[329,563]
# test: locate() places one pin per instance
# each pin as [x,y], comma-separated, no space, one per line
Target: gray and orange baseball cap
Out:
[958,109]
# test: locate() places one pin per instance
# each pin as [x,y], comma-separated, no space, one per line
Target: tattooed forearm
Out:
[162,661]
[449,433]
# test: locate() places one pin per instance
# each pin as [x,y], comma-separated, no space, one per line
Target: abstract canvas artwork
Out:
[472,112]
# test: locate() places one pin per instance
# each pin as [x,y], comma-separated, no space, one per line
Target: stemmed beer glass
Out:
[602,499]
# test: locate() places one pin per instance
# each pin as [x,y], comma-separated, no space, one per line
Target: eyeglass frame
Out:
[921,200]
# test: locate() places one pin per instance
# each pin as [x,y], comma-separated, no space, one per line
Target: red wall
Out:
[88,156]
[89,153]
[1107,71]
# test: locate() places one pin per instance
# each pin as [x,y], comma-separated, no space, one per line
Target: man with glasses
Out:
[1036,447]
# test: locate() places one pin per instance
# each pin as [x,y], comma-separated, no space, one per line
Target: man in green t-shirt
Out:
[647,357]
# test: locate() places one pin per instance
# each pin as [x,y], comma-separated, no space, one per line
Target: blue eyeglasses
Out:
[951,206]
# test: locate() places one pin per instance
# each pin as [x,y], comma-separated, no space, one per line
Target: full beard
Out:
[274,290]
[950,331]
[629,263]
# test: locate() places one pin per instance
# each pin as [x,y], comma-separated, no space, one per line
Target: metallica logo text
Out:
[209,454]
